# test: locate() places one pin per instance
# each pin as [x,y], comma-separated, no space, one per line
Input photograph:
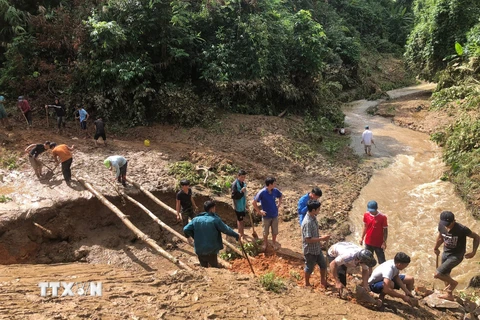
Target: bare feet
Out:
[447,296]
[264,247]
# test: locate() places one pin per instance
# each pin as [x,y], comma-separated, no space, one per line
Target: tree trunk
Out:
[151,196]
[142,236]
[224,263]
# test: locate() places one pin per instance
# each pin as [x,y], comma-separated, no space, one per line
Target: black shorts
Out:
[83,125]
[240,215]
[100,134]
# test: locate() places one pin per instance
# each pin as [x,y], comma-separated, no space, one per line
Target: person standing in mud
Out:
[453,235]
[59,111]
[185,202]
[206,229]
[34,150]
[367,140]
[118,163]
[386,278]
[302,203]
[343,255]
[63,154]
[239,196]
[83,117]
[312,250]
[267,198]
[100,131]
[375,231]
[25,108]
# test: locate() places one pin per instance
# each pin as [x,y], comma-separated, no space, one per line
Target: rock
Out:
[433,301]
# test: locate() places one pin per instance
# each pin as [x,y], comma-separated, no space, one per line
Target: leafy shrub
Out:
[4,199]
[184,170]
[8,159]
[271,283]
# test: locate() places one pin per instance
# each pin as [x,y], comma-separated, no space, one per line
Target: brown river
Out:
[408,190]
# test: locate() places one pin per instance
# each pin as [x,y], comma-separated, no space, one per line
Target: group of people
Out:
[385,279]
[60,111]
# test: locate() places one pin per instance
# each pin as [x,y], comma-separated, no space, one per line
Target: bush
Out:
[271,283]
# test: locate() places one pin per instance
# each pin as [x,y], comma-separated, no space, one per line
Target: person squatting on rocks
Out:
[367,140]
[375,231]
[100,131]
[302,209]
[239,196]
[267,198]
[120,164]
[453,235]
[34,150]
[185,203]
[386,278]
[206,229]
[3,114]
[25,108]
[343,255]
[312,250]
[63,154]
[59,111]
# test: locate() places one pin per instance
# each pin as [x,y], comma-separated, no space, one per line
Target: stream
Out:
[408,190]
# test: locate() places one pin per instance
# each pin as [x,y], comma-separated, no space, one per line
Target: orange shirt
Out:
[62,152]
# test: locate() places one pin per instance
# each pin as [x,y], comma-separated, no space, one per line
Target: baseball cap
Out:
[106,162]
[366,127]
[20,98]
[446,217]
[372,206]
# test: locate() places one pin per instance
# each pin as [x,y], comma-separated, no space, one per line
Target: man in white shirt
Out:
[367,140]
[343,255]
[386,278]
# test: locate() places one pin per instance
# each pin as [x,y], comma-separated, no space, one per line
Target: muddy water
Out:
[408,190]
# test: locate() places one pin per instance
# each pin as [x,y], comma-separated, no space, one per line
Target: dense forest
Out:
[183,61]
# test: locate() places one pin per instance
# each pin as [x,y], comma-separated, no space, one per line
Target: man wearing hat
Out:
[343,255]
[120,165]
[375,231]
[24,106]
[367,140]
[453,235]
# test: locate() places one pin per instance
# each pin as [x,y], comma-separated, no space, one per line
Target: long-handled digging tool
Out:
[254,234]
[246,256]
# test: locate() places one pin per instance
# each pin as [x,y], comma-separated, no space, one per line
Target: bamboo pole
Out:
[142,236]
[151,196]
[224,263]
[169,209]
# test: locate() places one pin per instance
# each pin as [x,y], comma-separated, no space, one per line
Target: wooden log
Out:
[142,236]
[224,263]
[151,196]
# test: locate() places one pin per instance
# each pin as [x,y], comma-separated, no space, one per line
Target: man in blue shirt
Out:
[267,198]
[302,203]
[206,229]
[83,117]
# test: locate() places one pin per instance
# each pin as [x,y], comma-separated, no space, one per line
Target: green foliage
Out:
[184,170]
[459,49]
[252,248]
[4,199]
[8,159]
[229,256]
[444,96]
[271,283]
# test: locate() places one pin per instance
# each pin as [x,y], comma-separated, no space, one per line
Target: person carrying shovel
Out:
[118,163]
[34,150]
[239,196]
[26,110]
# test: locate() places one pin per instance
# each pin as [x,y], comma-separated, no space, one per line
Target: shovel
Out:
[246,255]
[254,234]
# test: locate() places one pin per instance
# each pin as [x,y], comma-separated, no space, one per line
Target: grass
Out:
[8,159]
[4,199]
[272,283]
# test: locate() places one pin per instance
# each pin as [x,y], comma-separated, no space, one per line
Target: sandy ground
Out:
[139,284]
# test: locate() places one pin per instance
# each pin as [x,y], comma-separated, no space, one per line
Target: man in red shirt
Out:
[375,231]
[26,110]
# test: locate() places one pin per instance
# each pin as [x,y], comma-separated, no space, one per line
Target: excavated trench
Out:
[85,230]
